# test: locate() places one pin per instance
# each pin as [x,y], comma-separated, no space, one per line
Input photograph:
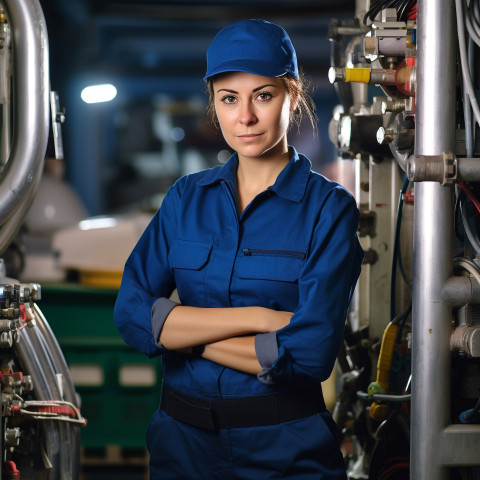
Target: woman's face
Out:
[253,113]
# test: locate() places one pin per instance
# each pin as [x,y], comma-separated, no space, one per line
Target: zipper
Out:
[284,253]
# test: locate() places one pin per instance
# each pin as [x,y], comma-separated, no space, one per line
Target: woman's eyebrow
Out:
[254,90]
[263,86]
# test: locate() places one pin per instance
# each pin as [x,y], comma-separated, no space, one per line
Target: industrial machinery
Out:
[409,404]
[39,413]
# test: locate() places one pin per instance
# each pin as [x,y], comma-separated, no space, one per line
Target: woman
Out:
[264,255]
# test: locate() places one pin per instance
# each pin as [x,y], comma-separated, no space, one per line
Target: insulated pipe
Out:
[31,363]
[433,240]
[68,432]
[70,468]
[31,111]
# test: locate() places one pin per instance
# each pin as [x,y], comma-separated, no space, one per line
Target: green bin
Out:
[119,387]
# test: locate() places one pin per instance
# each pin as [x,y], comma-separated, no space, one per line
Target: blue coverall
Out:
[294,248]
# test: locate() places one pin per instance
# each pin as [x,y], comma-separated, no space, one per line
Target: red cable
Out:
[470,195]
[58,409]
[23,315]
[412,14]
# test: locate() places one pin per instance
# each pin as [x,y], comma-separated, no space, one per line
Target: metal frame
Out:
[435,444]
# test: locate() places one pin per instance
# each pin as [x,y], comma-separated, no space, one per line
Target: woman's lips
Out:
[250,137]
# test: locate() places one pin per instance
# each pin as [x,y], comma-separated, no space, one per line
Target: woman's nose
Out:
[247,114]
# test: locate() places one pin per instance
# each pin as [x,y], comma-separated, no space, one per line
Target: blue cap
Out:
[252,46]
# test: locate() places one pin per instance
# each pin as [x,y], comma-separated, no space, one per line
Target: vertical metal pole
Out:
[433,239]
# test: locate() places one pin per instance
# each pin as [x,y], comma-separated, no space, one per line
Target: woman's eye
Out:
[263,96]
[228,99]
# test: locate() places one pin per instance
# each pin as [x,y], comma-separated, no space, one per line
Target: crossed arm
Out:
[227,333]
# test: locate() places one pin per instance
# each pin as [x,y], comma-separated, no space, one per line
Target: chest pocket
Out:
[277,265]
[189,261]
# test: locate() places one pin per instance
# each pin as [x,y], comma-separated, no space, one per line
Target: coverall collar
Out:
[290,184]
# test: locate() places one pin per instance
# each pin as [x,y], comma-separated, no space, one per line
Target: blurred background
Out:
[120,153]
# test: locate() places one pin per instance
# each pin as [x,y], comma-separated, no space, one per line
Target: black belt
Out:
[243,412]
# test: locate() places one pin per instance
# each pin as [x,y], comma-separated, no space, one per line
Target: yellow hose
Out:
[384,364]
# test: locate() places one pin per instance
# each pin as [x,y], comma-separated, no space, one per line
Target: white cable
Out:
[51,416]
[474,14]
[471,30]
[467,81]
[53,403]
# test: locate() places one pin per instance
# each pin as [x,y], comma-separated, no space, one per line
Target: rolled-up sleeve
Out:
[308,346]
[147,277]
[161,308]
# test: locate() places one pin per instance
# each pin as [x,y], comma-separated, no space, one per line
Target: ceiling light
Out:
[99,93]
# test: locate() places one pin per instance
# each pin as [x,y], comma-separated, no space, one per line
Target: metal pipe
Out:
[5,89]
[467,339]
[458,291]
[70,468]
[31,363]
[433,239]
[31,93]
[9,229]
[68,457]
[468,169]
[444,168]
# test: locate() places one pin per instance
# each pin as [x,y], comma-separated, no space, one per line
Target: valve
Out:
[12,437]
[11,471]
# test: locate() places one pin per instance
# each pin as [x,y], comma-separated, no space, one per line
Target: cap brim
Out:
[256,67]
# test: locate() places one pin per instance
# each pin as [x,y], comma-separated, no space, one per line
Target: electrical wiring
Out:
[467,80]
[470,195]
[396,247]
[472,20]
[474,9]
[471,30]
[50,416]
[467,109]
[403,7]
[412,14]
[456,214]
[400,320]
[60,410]
[472,238]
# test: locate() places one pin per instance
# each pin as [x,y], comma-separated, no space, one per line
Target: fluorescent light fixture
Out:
[97,222]
[99,93]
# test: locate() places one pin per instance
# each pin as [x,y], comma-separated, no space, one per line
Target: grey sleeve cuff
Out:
[266,348]
[160,311]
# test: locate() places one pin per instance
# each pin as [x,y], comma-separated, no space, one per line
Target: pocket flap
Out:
[279,268]
[189,255]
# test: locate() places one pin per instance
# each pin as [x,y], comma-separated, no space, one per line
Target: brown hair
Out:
[298,90]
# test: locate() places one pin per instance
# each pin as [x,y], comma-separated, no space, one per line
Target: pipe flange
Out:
[450,168]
